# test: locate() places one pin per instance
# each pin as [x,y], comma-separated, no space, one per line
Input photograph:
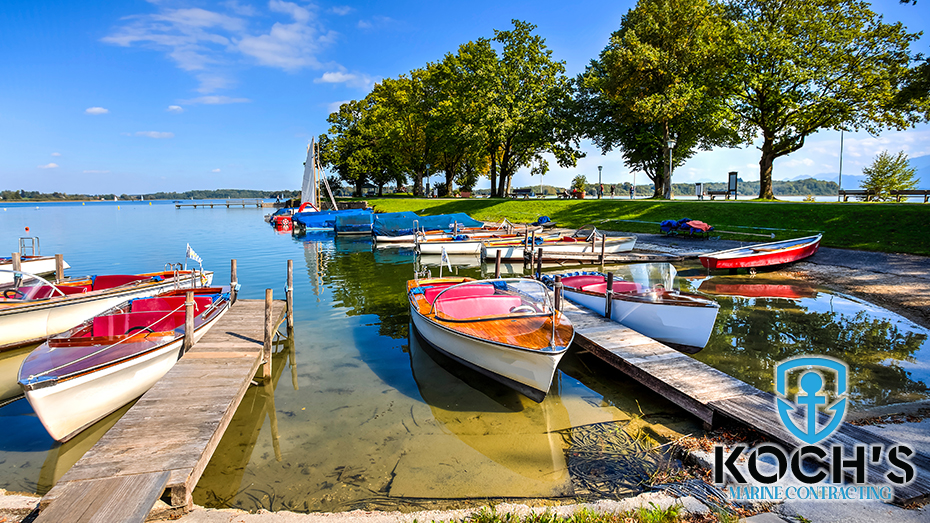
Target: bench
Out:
[868,194]
[525,193]
[714,194]
[912,192]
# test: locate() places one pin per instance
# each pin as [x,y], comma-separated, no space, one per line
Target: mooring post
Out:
[233,281]
[290,297]
[557,291]
[266,350]
[59,267]
[497,264]
[603,248]
[17,264]
[609,295]
[188,322]
[539,264]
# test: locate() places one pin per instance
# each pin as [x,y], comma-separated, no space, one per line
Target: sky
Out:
[138,96]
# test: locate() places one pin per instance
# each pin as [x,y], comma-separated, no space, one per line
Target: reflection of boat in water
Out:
[10,361]
[757,288]
[518,436]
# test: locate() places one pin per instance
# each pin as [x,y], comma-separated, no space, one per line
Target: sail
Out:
[308,188]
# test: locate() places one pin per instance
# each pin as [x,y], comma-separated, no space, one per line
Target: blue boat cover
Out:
[400,223]
[360,222]
[324,219]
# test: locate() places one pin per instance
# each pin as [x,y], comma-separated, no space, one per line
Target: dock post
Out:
[266,350]
[17,264]
[557,291]
[188,322]
[233,281]
[497,264]
[603,248]
[609,294]
[59,267]
[290,297]
[539,264]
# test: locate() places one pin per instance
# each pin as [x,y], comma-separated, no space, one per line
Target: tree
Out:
[889,173]
[579,182]
[660,77]
[806,65]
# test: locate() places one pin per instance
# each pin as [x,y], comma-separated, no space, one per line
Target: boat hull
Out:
[529,372]
[515,251]
[733,259]
[71,405]
[688,325]
[33,322]
[451,247]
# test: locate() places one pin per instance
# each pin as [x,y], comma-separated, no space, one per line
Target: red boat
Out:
[762,254]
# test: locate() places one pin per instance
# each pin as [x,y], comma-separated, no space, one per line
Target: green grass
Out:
[881,227]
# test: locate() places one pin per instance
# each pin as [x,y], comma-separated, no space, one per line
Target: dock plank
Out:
[173,429]
[92,501]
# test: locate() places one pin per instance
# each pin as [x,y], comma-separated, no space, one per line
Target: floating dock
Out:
[161,446]
[715,397]
[231,203]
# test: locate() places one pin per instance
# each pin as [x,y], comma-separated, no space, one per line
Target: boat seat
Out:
[170,303]
[619,286]
[477,306]
[119,324]
[108,281]
[480,289]
[74,289]
[583,280]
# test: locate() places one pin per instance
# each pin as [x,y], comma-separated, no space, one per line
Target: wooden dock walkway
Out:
[231,203]
[160,447]
[714,396]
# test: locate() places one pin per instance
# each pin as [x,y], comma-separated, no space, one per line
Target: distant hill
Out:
[854,181]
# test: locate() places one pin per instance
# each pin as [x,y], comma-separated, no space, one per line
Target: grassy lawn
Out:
[883,227]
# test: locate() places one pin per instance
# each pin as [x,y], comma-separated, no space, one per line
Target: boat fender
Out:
[500,285]
[418,290]
[157,278]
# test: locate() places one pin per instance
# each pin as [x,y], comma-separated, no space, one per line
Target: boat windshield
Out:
[649,275]
[18,286]
[491,299]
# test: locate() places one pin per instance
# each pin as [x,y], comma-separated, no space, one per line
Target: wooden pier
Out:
[230,203]
[161,446]
[714,396]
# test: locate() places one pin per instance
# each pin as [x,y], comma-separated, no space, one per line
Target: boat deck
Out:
[161,446]
[714,396]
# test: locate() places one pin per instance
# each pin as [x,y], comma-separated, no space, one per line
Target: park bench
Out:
[868,194]
[525,193]
[912,192]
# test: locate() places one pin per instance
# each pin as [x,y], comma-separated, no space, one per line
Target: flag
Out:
[193,255]
[445,259]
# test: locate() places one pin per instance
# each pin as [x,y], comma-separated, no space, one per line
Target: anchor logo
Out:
[811,382]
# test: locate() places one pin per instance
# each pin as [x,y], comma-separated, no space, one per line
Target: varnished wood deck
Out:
[161,446]
[713,396]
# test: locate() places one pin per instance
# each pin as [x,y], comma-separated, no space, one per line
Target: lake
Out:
[361,415]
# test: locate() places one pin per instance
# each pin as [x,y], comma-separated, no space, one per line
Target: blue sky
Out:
[174,95]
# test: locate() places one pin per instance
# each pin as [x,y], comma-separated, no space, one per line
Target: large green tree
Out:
[660,78]
[806,65]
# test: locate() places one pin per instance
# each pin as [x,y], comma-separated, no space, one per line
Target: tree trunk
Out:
[493,174]
[418,184]
[505,174]
[765,167]
[380,190]
[358,186]
[450,175]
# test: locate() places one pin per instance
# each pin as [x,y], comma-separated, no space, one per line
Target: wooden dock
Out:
[714,396]
[160,447]
[230,203]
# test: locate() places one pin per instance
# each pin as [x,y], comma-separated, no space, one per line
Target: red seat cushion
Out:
[476,307]
[108,281]
[118,324]
[170,303]
[481,289]
[582,280]
[74,289]
[619,286]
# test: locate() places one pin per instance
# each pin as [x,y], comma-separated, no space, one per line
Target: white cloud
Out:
[215,170]
[362,24]
[49,166]
[155,134]
[216,100]
[175,109]
[96,110]
[56,154]
[95,172]
[376,21]
[334,106]
[807,162]
[358,80]
[341,10]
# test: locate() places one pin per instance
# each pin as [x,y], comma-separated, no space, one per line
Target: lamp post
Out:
[841,167]
[633,189]
[428,176]
[599,184]
[668,187]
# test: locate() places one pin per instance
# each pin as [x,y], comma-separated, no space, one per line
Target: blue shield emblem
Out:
[810,383]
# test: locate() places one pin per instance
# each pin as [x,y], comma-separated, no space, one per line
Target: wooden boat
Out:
[762,254]
[513,249]
[31,264]
[78,377]
[384,237]
[32,309]
[657,311]
[505,329]
[461,243]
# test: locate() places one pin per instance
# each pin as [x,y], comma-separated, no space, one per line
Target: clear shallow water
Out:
[361,415]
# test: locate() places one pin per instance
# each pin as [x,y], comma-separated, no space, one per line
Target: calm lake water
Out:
[361,415]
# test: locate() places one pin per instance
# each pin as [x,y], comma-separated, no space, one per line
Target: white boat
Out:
[79,377]
[646,301]
[591,244]
[505,329]
[31,264]
[32,309]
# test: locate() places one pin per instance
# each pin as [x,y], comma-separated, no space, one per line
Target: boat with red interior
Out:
[78,377]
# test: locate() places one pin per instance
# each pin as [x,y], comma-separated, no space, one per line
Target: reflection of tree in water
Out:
[753,335]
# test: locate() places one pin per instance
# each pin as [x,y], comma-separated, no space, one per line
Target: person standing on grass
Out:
[631,192]
[612,188]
